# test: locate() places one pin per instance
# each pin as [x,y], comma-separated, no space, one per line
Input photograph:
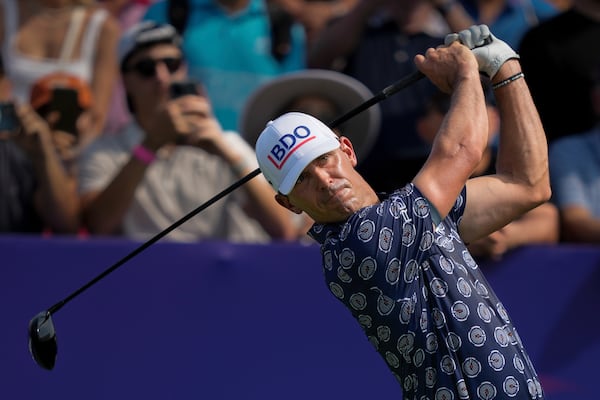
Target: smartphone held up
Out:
[182,88]
[61,99]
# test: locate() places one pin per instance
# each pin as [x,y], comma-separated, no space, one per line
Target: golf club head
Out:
[42,340]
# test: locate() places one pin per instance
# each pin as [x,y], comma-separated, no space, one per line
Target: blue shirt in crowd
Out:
[231,54]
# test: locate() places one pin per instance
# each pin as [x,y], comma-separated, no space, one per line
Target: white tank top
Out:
[22,71]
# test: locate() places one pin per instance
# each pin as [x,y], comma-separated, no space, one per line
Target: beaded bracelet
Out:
[508,80]
[144,155]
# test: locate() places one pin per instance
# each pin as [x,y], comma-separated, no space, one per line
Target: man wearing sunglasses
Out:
[172,157]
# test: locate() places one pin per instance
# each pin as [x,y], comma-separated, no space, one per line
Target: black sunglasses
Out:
[147,67]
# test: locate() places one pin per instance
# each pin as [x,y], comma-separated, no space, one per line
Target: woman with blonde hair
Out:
[73,37]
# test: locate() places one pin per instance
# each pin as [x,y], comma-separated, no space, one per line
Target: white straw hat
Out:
[346,93]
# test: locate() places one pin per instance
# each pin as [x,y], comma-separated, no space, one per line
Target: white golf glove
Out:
[489,51]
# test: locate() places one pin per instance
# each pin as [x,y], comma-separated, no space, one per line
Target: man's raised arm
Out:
[522,179]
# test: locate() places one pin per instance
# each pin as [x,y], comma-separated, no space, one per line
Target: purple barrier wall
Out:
[222,321]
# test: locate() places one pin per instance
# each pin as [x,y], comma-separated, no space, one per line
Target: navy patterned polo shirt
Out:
[423,302]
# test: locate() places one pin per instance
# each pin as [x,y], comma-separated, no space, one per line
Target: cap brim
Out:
[265,103]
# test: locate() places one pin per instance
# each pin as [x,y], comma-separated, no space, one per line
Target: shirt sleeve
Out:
[455,213]
[459,206]
[97,166]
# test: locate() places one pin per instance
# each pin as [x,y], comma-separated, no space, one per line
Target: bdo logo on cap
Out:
[288,144]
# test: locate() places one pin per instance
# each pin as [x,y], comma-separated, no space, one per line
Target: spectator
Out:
[537,226]
[430,122]
[510,20]
[324,94]
[64,95]
[171,158]
[314,15]
[40,37]
[358,44]
[575,179]
[559,60]
[230,48]
[39,191]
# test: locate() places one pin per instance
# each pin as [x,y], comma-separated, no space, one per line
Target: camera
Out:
[66,102]
[183,88]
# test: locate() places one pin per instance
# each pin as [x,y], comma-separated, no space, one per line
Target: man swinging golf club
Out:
[398,261]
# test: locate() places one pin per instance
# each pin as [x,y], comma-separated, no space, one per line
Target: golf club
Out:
[42,335]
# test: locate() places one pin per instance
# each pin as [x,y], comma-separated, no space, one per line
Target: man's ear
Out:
[347,148]
[284,201]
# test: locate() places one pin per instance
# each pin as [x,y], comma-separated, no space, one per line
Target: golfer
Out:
[398,261]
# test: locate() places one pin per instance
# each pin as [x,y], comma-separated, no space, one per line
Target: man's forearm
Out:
[104,213]
[56,199]
[523,150]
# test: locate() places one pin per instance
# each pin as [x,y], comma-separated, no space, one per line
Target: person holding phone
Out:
[39,190]
[62,99]
[75,37]
[172,157]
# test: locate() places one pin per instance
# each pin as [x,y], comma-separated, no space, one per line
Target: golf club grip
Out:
[383,94]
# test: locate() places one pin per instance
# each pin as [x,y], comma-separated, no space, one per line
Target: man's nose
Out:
[162,72]
[322,178]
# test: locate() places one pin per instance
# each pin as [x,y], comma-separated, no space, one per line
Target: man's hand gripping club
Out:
[489,51]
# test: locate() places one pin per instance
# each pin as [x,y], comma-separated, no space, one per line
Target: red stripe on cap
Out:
[279,166]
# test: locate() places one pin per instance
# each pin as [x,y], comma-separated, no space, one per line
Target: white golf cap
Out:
[145,34]
[289,144]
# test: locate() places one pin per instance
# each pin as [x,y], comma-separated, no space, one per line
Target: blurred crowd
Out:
[120,117]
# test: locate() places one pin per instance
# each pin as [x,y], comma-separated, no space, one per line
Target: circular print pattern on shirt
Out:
[386,237]
[392,273]
[346,258]
[366,230]
[486,391]
[367,268]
